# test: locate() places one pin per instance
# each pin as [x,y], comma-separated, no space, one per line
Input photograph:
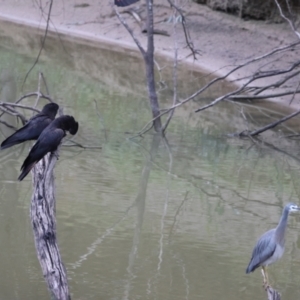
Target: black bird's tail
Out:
[250,268]
[12,140]
[26,168]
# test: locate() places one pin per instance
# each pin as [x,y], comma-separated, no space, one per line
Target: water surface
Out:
[146,218]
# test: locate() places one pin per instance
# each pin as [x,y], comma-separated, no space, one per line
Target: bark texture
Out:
[43,221]
[149,61]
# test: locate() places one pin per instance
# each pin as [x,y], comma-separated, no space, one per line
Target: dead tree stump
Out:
[42,213]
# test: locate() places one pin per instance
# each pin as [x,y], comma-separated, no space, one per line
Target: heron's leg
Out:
[265,276]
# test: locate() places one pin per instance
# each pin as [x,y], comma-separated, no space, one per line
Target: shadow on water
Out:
[152,219]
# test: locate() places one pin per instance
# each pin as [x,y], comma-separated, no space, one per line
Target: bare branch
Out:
[250,97]
[122,20]
[38,91]
[292,25]
[186,33]
[175,65]
[276,84]
[6,104]
[269,126]
[274,51]
[292,99]
[45,82]
[13,113]
[41,95]
[144,130]
[100,118]
[149,63]
[43,43]
[76,144]
[8,125]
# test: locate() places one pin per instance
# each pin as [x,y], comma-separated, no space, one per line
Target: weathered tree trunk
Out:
[149,62]
[43,221]
[272,294]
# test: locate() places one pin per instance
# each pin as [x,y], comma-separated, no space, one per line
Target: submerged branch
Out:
[272,294]
[269,126]
[257,97]
[225,76]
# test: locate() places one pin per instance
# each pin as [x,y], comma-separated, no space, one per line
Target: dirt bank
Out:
[224,41]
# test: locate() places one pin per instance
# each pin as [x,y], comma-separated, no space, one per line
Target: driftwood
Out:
[272,294]
[42,213]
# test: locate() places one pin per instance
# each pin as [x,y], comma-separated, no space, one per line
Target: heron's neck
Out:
[281,227]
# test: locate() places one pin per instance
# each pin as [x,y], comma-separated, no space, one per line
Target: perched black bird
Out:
[48,141]
[124,2]
[33,128]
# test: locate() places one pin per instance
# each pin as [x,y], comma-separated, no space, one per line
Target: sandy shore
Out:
[224,41]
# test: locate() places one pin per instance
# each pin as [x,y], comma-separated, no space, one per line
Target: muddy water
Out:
[146,218]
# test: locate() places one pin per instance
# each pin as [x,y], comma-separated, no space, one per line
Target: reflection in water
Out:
[140,202]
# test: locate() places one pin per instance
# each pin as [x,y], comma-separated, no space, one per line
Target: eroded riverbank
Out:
[224,41]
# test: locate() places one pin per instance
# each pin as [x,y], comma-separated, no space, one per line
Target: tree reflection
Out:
[140,203]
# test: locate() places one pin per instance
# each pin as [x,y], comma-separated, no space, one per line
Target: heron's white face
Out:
[293,207]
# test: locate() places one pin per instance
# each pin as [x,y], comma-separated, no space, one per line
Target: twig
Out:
[142,23]
[38,91]
[45,82]
[43,43]
[8,125]
[175,66]
[35,94]
[122,20]
[186,33]
[13,113]
[53,25]
[276,84]
[76,144]
[18,105]
[223,97]
[249,97]
[101,119]
[24,97]
[292,25]
[272,125]
[191,97]
[293,97]
[144,130]
[177,212]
